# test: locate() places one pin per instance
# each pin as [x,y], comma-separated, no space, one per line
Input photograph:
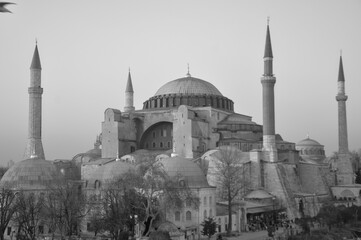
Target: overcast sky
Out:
[86,48]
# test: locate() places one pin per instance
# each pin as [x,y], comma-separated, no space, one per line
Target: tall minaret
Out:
[345,173]
[268,81]
[34,146]
[129,95]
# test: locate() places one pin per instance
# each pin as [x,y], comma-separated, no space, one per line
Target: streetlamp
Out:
[273,207]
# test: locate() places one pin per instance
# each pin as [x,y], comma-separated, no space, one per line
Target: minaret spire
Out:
[345,174]
[129,95]
[34,146]
[268,81]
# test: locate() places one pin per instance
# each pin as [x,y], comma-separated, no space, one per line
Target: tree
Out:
[329,214]
[66,205]
[7,208]
[230,177]
[358,177]
[156,192]
[29,213]
[209,227]
[117,208]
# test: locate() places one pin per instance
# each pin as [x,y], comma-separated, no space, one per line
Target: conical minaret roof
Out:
[129,87]
[268,47]
[341,76]
[35,63]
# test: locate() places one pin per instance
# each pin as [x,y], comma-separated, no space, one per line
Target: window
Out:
[205,214]
[153,134]
[132,149]
[182,183]
[164,132]
[188,216]
[153,144]
[205,201]
[168,144]
[210,201]
[161,144]
[9,231]
[210,213]
[97,184]
[177,216]
[188,203]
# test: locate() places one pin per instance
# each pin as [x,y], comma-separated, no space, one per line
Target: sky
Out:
[86,48]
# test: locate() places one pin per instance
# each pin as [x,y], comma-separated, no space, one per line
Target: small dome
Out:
[29,174]
[308,142]
[259,194]
[191,172]
[188,85]
[109,171]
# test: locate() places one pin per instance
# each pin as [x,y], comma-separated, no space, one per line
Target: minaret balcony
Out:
[37,90]
[341,97]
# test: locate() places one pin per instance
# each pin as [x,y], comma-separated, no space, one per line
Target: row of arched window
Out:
[312,152]
[177,215]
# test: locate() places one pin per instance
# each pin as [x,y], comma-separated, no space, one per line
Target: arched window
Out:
[205,201]
[153,144]
[177,216]
[210,213]
[188,216]
[161,144]
[210,200]
[97,184]
[205,214]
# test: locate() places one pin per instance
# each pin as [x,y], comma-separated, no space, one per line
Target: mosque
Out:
[184,125]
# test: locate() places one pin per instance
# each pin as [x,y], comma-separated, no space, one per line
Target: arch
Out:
[97,184]
[157,133]
[347,193]
[188,216]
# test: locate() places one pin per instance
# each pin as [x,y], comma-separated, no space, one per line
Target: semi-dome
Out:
[188,91]
[33,173]
[189,171]
[188,85]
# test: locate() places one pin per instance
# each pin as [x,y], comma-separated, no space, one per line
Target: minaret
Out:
[129,95]
[345,174]
[34,146]
[268,81]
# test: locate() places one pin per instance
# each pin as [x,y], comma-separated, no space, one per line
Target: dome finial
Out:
[188,74]
[33,154]
[308,136]
[268,18]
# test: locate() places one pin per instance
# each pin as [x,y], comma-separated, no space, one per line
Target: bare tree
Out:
[231,178]
[7,208]
[66,205]
[29,213]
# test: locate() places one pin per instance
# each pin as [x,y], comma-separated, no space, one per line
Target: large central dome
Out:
[188,85]
[189,91]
